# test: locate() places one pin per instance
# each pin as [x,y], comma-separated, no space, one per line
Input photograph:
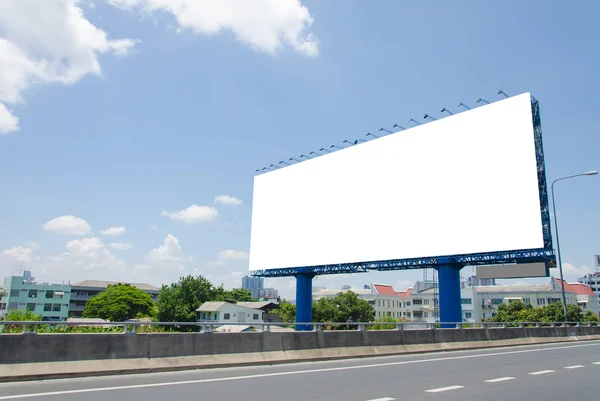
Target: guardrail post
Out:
[267,328]
[522,325]
[505,325]
[538,325]
[134,328]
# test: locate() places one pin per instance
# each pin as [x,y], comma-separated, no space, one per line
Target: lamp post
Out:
[564,297]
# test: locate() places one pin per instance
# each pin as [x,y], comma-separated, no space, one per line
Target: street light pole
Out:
[564,297]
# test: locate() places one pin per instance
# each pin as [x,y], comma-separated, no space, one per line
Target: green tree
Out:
[179,301]
[286,311]
[590,317]
[119,302]
[345,307]
[385,323]
[19,316]
[237,294]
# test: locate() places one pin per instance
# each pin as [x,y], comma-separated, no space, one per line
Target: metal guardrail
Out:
[32,327]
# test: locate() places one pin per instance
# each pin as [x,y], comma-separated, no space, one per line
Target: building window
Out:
[466,301]
[49,294]
[47,307]
[553,300]
[426,302]
[15,293]
[56,307]
[226,316]
[468,315]
[32,294]
[255,316]
[13,305]
[496,301]
[379,303]
[417,302]
[527,300]
[30,307]
[541,301]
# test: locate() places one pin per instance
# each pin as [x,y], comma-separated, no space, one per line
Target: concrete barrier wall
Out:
[44,348]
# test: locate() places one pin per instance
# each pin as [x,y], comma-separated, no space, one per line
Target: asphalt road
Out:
[544,373]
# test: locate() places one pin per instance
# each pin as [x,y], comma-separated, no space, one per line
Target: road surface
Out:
[544,373]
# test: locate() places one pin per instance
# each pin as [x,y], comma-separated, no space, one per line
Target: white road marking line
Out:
[383,399]
[596,363]
[542,372]
[296,372]
[500,379]
[441,389]
[574,367]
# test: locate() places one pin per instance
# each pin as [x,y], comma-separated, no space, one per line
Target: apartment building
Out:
[50,301]
[478,302]
[593,281]
[82,291]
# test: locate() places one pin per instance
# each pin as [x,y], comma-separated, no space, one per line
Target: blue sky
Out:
[130,111]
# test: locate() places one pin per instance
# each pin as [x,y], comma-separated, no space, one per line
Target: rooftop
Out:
[104,284]
[581,289]
[210,306]
[256,305]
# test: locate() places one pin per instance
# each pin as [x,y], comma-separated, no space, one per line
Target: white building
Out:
[384,300]
[225,312]
[417,304]
[593,281]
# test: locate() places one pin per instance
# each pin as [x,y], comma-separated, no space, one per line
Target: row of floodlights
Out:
[310,155]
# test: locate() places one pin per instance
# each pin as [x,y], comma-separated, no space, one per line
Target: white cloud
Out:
[229,254]
[228,200]
[85,257]
[193,214]
[113,231]
[121,246]
[8,122]
[571,273]
[18,253]
[265,25]
[153,228]
[44,42]
[169,254]
[68,225]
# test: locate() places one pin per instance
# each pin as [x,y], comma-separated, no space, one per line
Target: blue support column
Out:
[304,301]
[450,307]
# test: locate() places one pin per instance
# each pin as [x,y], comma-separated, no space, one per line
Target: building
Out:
[587,300]
[253,284]
[82,291]
[386,302]
[50,301]
[267,294]
[226,312]
[593,281]
[478,302]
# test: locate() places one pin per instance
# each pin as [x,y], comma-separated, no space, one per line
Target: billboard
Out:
[520,270]
[465,184]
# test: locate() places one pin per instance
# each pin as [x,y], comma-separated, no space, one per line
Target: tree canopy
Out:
[519,311]
[346,306]
[119,302]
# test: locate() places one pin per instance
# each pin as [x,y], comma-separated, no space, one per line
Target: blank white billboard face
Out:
[463,184]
